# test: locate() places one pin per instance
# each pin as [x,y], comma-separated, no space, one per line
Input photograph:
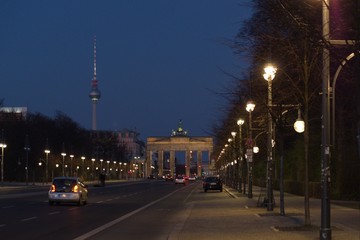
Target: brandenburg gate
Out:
[178,141]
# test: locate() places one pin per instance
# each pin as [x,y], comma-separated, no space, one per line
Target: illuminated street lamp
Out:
[250,106]
[83,166]
[236,173]
[269,75]
[47,152]
[71,161]
[2,146]
[299,125]
[101,161]
[240,122]
[93,163]
[63,163]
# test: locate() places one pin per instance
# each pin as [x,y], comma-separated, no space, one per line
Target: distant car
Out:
[192,178]
[151,176]
[179,180]
[212,183]
[168,177]
[68,190]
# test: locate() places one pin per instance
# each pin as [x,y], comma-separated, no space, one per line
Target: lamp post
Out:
[240,122]
[236,182]
[231,170]
[299,127]
[2,146]
[71,163]
[93,164]
[250,106]
[269,75]
[101,168]
[27,149]
[63,163]
[47,151]
[325,229]
[83,167]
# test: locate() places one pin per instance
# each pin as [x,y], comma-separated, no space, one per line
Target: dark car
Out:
[212,183]
[68,190]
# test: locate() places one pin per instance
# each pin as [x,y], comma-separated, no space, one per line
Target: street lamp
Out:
[83,167]
[63,163]
[233,134]
[250,106]
[47,151]
[299,125]
[71,161]
[2,146]
[269,75]
[231,170]
[27,149]
[93,163]
[240,122]
[325,229]
[101,161]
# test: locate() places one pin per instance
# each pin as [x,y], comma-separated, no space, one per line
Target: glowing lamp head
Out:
[269,73]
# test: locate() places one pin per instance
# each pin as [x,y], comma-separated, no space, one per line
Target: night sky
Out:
[158,61]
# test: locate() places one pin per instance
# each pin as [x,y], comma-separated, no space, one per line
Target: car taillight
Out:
[76,188]
[52,189]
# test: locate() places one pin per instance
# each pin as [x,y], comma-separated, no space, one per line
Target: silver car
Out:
[68,190]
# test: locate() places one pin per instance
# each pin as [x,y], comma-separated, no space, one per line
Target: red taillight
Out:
[75,188]
[52,189]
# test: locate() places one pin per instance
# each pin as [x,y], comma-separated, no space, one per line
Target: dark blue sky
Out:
[158,61]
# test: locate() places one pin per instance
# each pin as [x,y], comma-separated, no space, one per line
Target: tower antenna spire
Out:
[94,92]
[94,81]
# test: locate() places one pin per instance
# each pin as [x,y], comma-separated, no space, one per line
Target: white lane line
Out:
[108,200]
[122,218]
[52,213]
[181,222]
[2,225]
[10,206]
[28,219]
[99,201]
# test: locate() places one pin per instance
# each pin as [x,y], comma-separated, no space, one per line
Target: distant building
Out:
[13,113]
[130,139]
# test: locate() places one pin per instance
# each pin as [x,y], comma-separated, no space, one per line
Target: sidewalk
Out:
[240,218]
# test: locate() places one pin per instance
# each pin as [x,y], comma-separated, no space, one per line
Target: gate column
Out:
[148,163]
[172,163]
[187,163]
[199,163]
[161,163]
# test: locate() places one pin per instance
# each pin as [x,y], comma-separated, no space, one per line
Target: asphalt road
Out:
[152,209]
[135,210]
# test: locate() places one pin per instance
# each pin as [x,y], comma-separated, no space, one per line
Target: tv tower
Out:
[94,92]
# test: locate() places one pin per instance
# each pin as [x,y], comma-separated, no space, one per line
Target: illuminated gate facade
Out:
[179,141]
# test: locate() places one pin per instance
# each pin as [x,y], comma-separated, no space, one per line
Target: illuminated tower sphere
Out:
[94,92]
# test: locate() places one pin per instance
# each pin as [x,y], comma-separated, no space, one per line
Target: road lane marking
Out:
[2,225]
[6,207]
[122,218]
[181,222]
[52,213]
[28,219]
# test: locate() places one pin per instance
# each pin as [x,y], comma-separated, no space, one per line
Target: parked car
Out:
[68,190]
[179,180]
[212,183]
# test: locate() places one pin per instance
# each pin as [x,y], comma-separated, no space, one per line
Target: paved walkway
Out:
[241,218]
